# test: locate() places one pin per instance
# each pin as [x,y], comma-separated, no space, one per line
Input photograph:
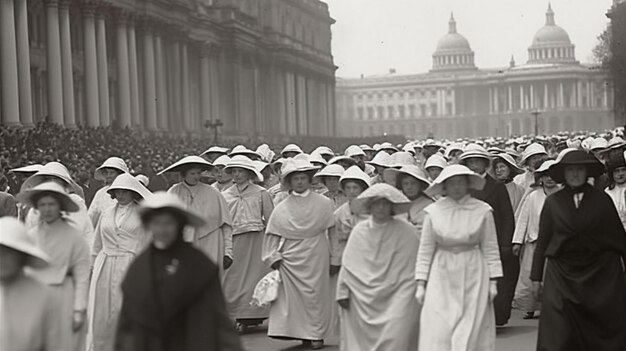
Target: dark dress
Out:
[172,300]
[584,294]
[495,194]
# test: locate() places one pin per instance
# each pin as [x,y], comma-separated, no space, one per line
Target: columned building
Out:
[261,67]
[456,99]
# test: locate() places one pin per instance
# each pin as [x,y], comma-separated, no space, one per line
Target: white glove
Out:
[493,290]
[420,294]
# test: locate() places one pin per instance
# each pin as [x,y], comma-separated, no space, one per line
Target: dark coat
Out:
[172,301]
[584,295]
[495,194]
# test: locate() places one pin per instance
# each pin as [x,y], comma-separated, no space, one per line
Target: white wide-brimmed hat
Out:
[215,150]
[381,159]
[163,200]
[291,166]
[614,143]
[188,161]
[531,150]
[410,170]
[221,161]
[14,235]
[316,157]
[111,162]
[291,148]
[475,181]
[26,197]
[266,153]
[409,148]
[51,169]
[598,144]
[387,146]
[333,170]
[401,158]
[366,147]
[27,169]
[340,158]
[261,165]
[243,162]
[508,159]
[143,179]
[474,151]
[324,150]
[361,204]
[242,150]
[453,147]
[354,173]
[128,182]
[545,166]
[354,150]
[436,160]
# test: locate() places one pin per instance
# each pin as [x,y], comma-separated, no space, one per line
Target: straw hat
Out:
[143,179]
[598,144]
[162,200]
[27,169]
[215,150]
[188,161]
[51,169]
[266,153]
[545,166]
[386,146]
[410,170]
[361,204]
[333,170]
[401,158]
[508,159]
[337,159]
[221,161]
[475,181]
[354,173]
[67,204]
[14,235]
[316,157]
[474,151]
[531,150]
[243,162]
[260,165]
[366,147]
[242,150]
[381,159]
[354,150]
[436,160]
[111,162]
[324,150]
[453,147]
[575,157]
[128,182]
[615,143]
[291,148]
[291,166]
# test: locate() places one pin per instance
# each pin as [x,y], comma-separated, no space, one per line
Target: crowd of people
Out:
[427,245]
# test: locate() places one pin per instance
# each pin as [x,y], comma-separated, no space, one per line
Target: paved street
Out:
[519,335]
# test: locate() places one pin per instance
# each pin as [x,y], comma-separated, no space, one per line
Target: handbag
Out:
[266,290]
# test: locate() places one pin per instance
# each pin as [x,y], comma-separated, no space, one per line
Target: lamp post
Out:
[215,125]
[536,113]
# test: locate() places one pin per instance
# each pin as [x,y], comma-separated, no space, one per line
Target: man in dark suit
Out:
[494,193]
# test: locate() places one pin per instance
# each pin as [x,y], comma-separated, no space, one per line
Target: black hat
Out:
[575,157]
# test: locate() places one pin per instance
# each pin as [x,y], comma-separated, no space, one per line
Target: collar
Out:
[304,194]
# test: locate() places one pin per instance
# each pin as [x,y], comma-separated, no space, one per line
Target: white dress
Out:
[458,255]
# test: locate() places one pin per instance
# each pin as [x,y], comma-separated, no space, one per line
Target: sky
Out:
[372,36]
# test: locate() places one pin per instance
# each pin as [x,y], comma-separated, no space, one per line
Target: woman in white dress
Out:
[505,169]
[68,273]
[457,267]
[215,238]
[376,285]
[616,172]
[106,173]
[120,237]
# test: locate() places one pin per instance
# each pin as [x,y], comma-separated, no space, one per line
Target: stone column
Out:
[510,98]
[133,75]
[491,104]
[205,85]
[521,98]
[8,55]
[103,70]
[91,67]
[184,58]
[66,63]
[123,79]
[53,55]
[150,107]
[161,83]
[532,96]
[175,86]
[546,96]
[561,96]
[496,101]
[23,61]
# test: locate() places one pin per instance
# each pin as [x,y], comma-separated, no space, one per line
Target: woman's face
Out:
[381,210]
[575,175]
[456,187]
[223,175]
[535,161]
[109,175]
[352,189]
[11,263]
[502,171]
[164,228]
[548,182]
[332,183]
[240,175]
[411,187]
[433,172]
[619,175]
[123,197]
[192,176]
[300,182]
[49,208]
[477,164]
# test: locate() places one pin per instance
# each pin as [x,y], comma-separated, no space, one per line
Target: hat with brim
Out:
[27,169]
[215,150]
[128,182]
[380,160]
[569,157]
[366,148]
[221,161]
[545,166]
[474,151]
[598,144]
[495,150]
[614,143]
[188,161]
[51,169]
[14,235]
[243,162]
[401,158]
[115,163]
[436,160]
[509,161]
[388,147]
[333,170]
[317,159]
[27,197]
[354,150]
[532,150]
[476,182]
[324,150]
[266,153]
[401,204]
[162,200]
[354,173]
[291,148]
[242,150]
[291,166]
[143,179]
[337,159]
[410,170]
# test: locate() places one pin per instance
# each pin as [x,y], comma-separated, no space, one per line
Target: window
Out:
[380,111]
[370,113]
[390,112]
[433,109]
[422,110]
[411,111]
[449,109]
[401,111]
[359,112]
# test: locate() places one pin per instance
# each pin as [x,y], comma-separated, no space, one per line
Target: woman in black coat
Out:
[583,242]
[172,297]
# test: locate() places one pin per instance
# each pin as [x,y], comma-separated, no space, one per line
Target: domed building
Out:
[456,99]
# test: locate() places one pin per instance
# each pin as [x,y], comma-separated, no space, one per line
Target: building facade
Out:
[261,67]
[456,99]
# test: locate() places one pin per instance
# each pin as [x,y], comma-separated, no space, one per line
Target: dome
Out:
[452,41]
[551,43]
[453,51]
[551,34]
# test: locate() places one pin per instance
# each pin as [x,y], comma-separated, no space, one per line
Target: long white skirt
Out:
[524,299]
[63,310]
